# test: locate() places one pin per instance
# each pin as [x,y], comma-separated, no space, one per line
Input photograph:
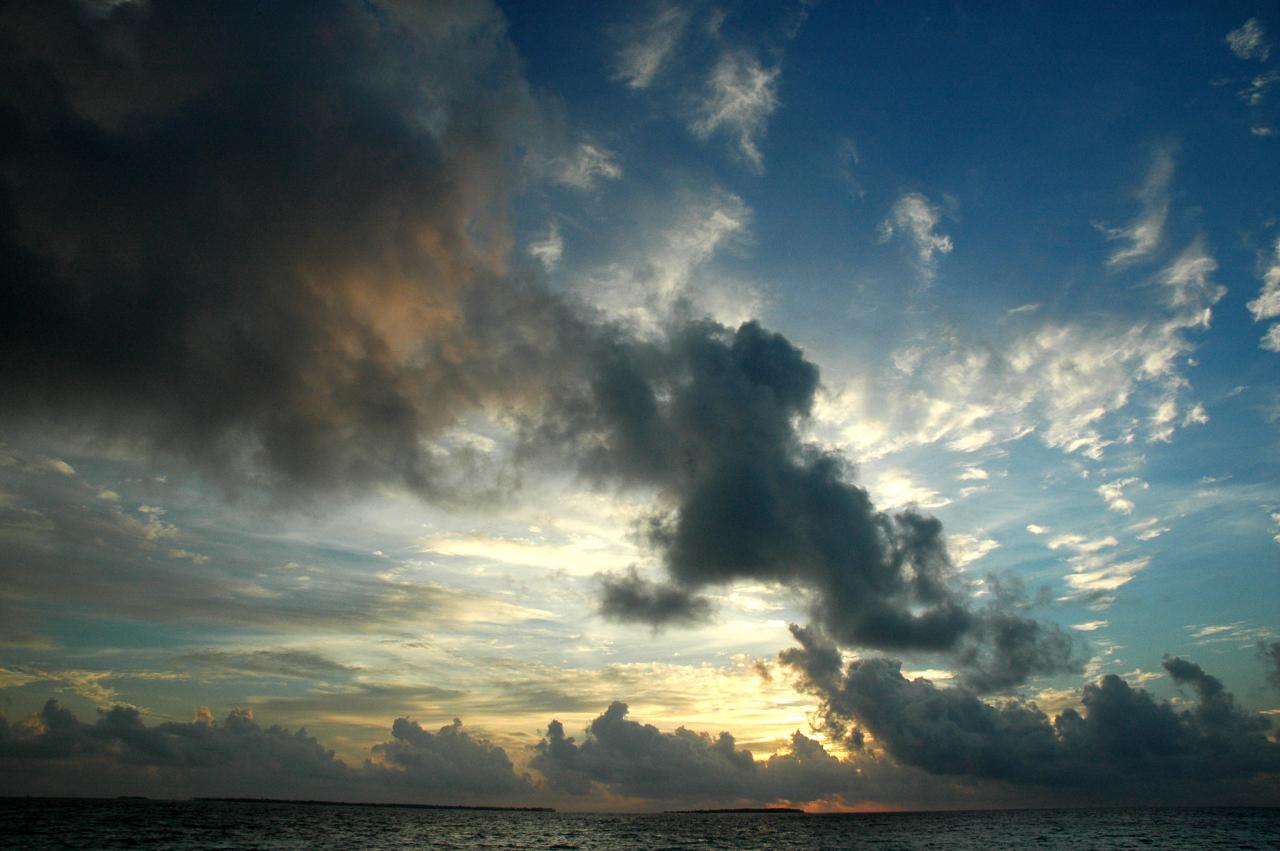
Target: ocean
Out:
[67,823]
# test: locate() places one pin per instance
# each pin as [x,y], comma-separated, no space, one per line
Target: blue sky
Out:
[315,409]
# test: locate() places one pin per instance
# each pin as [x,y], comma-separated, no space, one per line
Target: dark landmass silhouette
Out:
[480,807]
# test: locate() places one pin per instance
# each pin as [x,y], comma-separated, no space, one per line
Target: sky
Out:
[613,406]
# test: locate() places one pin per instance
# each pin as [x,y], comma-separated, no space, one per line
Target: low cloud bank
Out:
[901,743]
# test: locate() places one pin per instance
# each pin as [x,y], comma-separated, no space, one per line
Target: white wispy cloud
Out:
[897,489]
[668,267]
[1238,632]
[1258,86]
[648,45]
[1149,529]
[1248,41]
[966,548]
[1066,382]
[1090,626]
[549,249]
[1140,238]
[587,164]
[739,96]
[1114,493]
[1092,574]
[1081,544]
[915,217]
[1267,304]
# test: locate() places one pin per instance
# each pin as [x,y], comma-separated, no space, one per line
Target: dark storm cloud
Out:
[1006,646]
[1270,654]
[631,598]
[1125,738]
[56,752]
[710,418]
[273,239]
[265,236]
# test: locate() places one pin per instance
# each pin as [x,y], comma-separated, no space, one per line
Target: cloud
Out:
[586,165]
[918,219]
[1267,304]
[56,753]
[1064,382]
[1081,544]
[739,97]
[672,273]
[632,598]
[1145,234]
[1257,90]
[448,762]
[297,663]
[632,759]
[648,45]
[290,311]
[1270,654]
[328,335]
[549,249]
[1248,41]
[708,419]
[1114,493]
[1239,633]
[62,545]
[1125,740]
[966,549]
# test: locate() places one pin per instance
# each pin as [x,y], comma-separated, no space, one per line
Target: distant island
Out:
[379,804]
[765,810]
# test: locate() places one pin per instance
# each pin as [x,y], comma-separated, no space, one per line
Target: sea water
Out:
[65,823]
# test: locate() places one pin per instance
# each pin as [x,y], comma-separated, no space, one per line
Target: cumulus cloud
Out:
[1248,41]
[626,757]
[449,762]
[709,419]
[1124,739]
[917,219]
[739,97]
[56,753]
